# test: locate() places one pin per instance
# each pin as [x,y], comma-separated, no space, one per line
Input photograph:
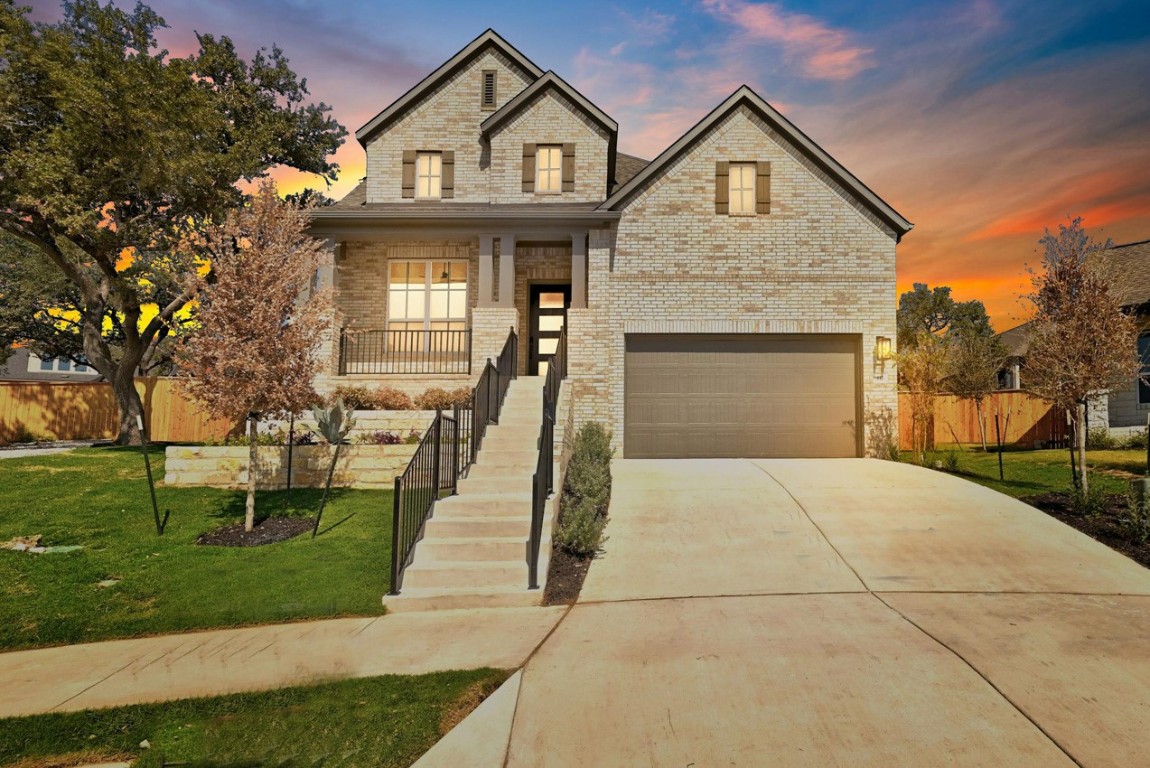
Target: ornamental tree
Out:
[1081,342]
[253,352]
[114,158]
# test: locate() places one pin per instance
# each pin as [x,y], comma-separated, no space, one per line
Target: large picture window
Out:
[426,296]
[1144,356]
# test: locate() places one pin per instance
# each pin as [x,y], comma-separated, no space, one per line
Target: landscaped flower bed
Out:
[226,466]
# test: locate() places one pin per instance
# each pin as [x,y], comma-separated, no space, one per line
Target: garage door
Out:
[753,396]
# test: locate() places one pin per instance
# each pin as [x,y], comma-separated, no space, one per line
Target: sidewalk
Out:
[118,672]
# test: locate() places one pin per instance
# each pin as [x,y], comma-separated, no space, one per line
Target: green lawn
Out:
[381,721]
[98,498]
[1032,472]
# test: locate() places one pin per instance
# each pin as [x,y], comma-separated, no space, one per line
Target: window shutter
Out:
[447,169]
[763,186]
[722,187]
[568,167]
[408,183]
[528,167]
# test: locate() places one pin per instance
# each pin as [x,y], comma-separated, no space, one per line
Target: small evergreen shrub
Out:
[1136,518]
[586,492]
[1090,503]
[950,462]
[1135,441]
[392,399]
[581,531]
[1100,439]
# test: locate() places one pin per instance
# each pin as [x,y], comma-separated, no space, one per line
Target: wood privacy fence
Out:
[1033,422]
[71,410]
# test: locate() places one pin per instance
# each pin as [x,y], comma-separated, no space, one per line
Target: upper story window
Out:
[743,188]
[1144,378]
[549,168]
[56,365]
[428,175]
[487,94]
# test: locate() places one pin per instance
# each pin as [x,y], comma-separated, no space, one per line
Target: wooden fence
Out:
[68,410]
[1033,421]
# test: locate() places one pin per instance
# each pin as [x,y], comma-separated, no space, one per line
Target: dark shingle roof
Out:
[1129,267]
[627,166]
[1016,340]
[353,200]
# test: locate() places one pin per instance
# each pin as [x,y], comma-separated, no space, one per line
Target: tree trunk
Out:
[1080,435]
[253,458]
[981,423]
[130,406]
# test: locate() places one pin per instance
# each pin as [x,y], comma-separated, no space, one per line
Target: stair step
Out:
[469,549]
[485,505]
[482,527]
[448,599]
[475,575]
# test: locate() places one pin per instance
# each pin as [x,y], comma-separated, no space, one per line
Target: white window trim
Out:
[435,193]
[35,366]
[554,173]
[736,170]
[427,320]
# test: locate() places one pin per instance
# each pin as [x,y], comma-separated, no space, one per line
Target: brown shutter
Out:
[447,180]
[408,183]
[528,167]
[722,187]
[568,167]
[763,186]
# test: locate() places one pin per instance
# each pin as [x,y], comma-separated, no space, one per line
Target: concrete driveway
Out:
[837,612]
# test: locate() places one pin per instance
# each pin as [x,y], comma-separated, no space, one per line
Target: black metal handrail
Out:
[407,352]
[447,449]
[543,481]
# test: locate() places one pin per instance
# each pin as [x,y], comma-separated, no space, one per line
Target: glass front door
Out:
[549,305]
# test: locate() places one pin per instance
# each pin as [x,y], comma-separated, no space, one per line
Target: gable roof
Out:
[399,107]
[1129,266]
[552,81]
[744,96]
[1016,340]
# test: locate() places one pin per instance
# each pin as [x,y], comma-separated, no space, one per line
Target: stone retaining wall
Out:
[400,422]
[359,466]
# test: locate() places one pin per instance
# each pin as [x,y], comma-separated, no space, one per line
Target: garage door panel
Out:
[697,396]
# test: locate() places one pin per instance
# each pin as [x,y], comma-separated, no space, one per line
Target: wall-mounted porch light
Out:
[882,351]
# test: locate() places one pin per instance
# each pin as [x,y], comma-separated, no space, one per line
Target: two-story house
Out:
[732,297]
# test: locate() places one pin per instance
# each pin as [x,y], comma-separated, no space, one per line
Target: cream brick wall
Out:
[446,119]
[550,119]
[536,263]
[817,263]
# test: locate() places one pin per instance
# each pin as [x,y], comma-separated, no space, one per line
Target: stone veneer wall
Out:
[359,466]
[817,263]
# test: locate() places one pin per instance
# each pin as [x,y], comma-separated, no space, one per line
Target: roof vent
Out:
[488,97]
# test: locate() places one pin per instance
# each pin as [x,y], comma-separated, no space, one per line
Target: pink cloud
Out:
[818,50]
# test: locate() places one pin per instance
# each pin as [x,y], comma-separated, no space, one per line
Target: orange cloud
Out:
[820,51]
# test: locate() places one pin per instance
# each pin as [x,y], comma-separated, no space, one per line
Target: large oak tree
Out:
[114,158]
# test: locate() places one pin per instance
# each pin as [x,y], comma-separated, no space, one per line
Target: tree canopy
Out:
[114,157]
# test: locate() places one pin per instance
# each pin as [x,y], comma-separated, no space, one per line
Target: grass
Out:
[98,498]
[381,721]
[1033,472]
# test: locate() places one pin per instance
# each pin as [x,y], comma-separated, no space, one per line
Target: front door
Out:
[548,316]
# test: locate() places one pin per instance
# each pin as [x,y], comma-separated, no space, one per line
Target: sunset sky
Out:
[980,121]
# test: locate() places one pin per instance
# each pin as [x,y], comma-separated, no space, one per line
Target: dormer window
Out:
[487,96]
[428,176]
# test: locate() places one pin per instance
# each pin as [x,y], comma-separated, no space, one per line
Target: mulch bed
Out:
[565,577]
[1105,527]
[269,531]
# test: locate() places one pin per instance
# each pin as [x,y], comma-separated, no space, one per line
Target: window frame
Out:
[420,156]
[1141,387]
[427,320]
[745,193]
[554,173]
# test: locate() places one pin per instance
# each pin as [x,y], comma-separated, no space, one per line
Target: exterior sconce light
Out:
[882,351]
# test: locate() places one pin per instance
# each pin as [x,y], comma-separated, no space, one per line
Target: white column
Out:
[579,270]
[507,271]
[486,270]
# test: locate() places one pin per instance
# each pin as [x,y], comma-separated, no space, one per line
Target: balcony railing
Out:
[404,352]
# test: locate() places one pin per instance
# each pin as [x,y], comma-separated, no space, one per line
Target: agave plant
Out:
[334,422]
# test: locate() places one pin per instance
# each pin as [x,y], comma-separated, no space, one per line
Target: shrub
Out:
[1136,518]
[1135,441]
[392,399]
[413,437]
[355,398]
[581,531]
[1091,503]
[1100,439]
[586,491]
[379,437]
[950,462]
[436,399]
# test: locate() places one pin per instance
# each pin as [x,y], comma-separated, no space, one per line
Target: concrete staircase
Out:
[473,552]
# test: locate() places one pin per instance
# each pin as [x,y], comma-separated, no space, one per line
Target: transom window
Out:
[1144,378]
[549,168]
[426,296]
[428,175]
[742,188]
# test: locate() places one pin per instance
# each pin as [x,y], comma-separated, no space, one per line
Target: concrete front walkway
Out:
[832,612]
[117,672]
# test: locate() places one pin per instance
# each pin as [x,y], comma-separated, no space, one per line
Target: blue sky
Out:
[981,121]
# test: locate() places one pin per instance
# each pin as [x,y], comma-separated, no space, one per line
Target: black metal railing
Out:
[543,481]
[409,352]
[447,449]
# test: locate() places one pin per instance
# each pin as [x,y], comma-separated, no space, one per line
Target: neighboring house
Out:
[732,297]
[1015,341]
[23,365]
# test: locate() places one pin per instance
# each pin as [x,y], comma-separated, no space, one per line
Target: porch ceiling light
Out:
[882,351]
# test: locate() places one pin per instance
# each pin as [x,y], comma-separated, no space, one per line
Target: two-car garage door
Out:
[752,396]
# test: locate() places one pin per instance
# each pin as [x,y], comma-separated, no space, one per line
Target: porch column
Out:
[506,271]
[579,270]
[486,270]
